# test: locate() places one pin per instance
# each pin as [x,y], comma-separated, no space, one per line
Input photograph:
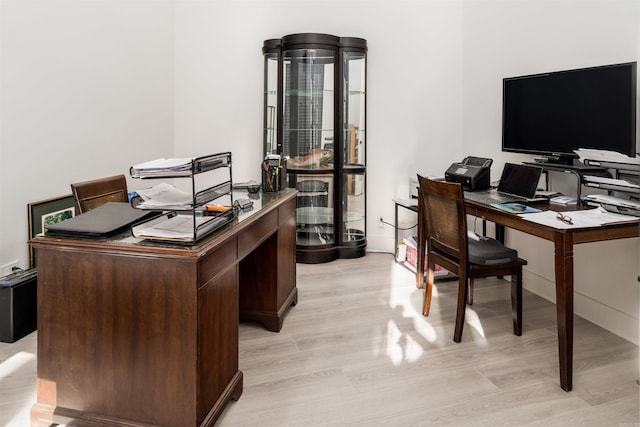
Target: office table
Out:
[564,241]
[137,333]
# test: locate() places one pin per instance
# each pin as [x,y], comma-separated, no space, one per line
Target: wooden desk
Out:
[134,333]
[563,240]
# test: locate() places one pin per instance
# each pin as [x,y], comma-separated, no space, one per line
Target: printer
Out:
[474,173]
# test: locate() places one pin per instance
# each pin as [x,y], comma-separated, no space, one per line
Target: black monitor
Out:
[552,114]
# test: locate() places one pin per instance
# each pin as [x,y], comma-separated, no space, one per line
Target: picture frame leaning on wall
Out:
[47,212]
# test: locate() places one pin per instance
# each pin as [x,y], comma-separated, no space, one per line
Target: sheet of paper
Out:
[162,167]
[606,156]
[179,228]
[163,164]
[165,196]
[612,200]
[612,181]
[581,219]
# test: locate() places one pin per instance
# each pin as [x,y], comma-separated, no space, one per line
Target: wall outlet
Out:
[380,222]
[8,268]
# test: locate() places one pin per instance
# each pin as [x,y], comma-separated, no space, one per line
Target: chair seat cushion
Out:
[487,251]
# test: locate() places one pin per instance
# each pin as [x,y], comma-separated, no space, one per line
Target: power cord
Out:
[399,228]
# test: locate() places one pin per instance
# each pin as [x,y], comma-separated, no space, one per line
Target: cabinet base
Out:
[315,255]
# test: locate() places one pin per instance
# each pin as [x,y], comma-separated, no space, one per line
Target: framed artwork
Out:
[47,212]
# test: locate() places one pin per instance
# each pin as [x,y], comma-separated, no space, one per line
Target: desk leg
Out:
[564,306]
[395,242]
[499,231]
[421,249]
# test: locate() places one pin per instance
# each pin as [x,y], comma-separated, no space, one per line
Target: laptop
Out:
[518,183]
[104,221]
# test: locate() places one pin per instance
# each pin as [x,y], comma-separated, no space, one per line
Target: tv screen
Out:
[552,114]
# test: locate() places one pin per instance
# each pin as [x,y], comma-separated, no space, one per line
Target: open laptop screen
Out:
[521,180]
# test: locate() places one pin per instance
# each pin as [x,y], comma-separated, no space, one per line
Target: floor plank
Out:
[356,351]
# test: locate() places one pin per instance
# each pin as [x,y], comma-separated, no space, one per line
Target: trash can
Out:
[18,304]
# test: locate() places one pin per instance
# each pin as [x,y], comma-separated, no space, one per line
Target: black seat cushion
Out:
[487,251]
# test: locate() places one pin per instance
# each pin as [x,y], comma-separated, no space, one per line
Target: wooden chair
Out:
[445,238]
[91,194]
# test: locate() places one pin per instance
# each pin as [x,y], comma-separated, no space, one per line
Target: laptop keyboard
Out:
[488,200]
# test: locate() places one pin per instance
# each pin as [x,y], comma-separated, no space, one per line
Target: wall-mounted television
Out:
[552,114]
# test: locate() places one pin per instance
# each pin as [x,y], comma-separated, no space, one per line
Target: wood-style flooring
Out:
[356,351]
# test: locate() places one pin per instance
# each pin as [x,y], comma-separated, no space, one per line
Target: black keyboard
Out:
[485,199]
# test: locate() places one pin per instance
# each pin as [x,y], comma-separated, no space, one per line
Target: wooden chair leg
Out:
[419,279]
[428,291]
[470,298]
[462,305]
[516,301]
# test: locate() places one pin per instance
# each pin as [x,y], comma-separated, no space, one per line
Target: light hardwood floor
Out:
[356,351]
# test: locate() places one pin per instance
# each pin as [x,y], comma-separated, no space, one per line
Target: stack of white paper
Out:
[162,167]
[605,156]
[165,197]
[610,181]
[611,200]
[177,228]
[614,204]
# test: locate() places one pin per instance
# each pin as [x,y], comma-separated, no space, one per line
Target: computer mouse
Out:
[519,208]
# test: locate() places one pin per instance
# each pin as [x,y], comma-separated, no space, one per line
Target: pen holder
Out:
[273,178]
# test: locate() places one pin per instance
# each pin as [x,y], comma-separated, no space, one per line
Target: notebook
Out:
[104,221]
[518,183]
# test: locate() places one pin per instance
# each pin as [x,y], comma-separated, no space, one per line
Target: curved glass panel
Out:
[271,104]
[308,109]
[353,213]
[354,108]
[314,213]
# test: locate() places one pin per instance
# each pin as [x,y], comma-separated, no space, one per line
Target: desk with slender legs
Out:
[564,241]
[136,333]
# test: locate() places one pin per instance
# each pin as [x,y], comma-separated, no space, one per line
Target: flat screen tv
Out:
[552,114]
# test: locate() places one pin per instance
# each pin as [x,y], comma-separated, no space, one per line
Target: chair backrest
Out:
[444,218]
[91,194]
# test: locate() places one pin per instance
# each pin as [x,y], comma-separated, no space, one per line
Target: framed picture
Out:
[47,212]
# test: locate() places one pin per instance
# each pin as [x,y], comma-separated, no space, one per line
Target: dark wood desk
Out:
[564,241]
[134,333]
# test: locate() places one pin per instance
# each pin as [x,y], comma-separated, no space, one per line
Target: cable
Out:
[399,228]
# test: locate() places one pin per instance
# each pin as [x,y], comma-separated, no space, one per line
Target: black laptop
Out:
[104,221]
[518,183]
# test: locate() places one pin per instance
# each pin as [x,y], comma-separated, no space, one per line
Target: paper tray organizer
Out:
[188,225]
[623,170]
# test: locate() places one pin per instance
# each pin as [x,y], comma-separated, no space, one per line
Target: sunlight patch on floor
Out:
[15,362]
[406,299]
[472,319]
[401,347]
[11,367]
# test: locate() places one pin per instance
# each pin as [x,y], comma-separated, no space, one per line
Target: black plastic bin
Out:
[18,305]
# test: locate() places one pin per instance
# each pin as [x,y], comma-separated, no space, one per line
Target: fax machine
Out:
[472,172]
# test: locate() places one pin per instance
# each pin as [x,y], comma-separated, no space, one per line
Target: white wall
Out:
[414,103]
[505,38]
[88,88]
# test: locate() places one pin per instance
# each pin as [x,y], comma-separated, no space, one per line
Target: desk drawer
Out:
[216,261]
[257,233]
[286,210]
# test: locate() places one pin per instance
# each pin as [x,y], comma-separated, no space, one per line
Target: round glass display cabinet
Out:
[315,118]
